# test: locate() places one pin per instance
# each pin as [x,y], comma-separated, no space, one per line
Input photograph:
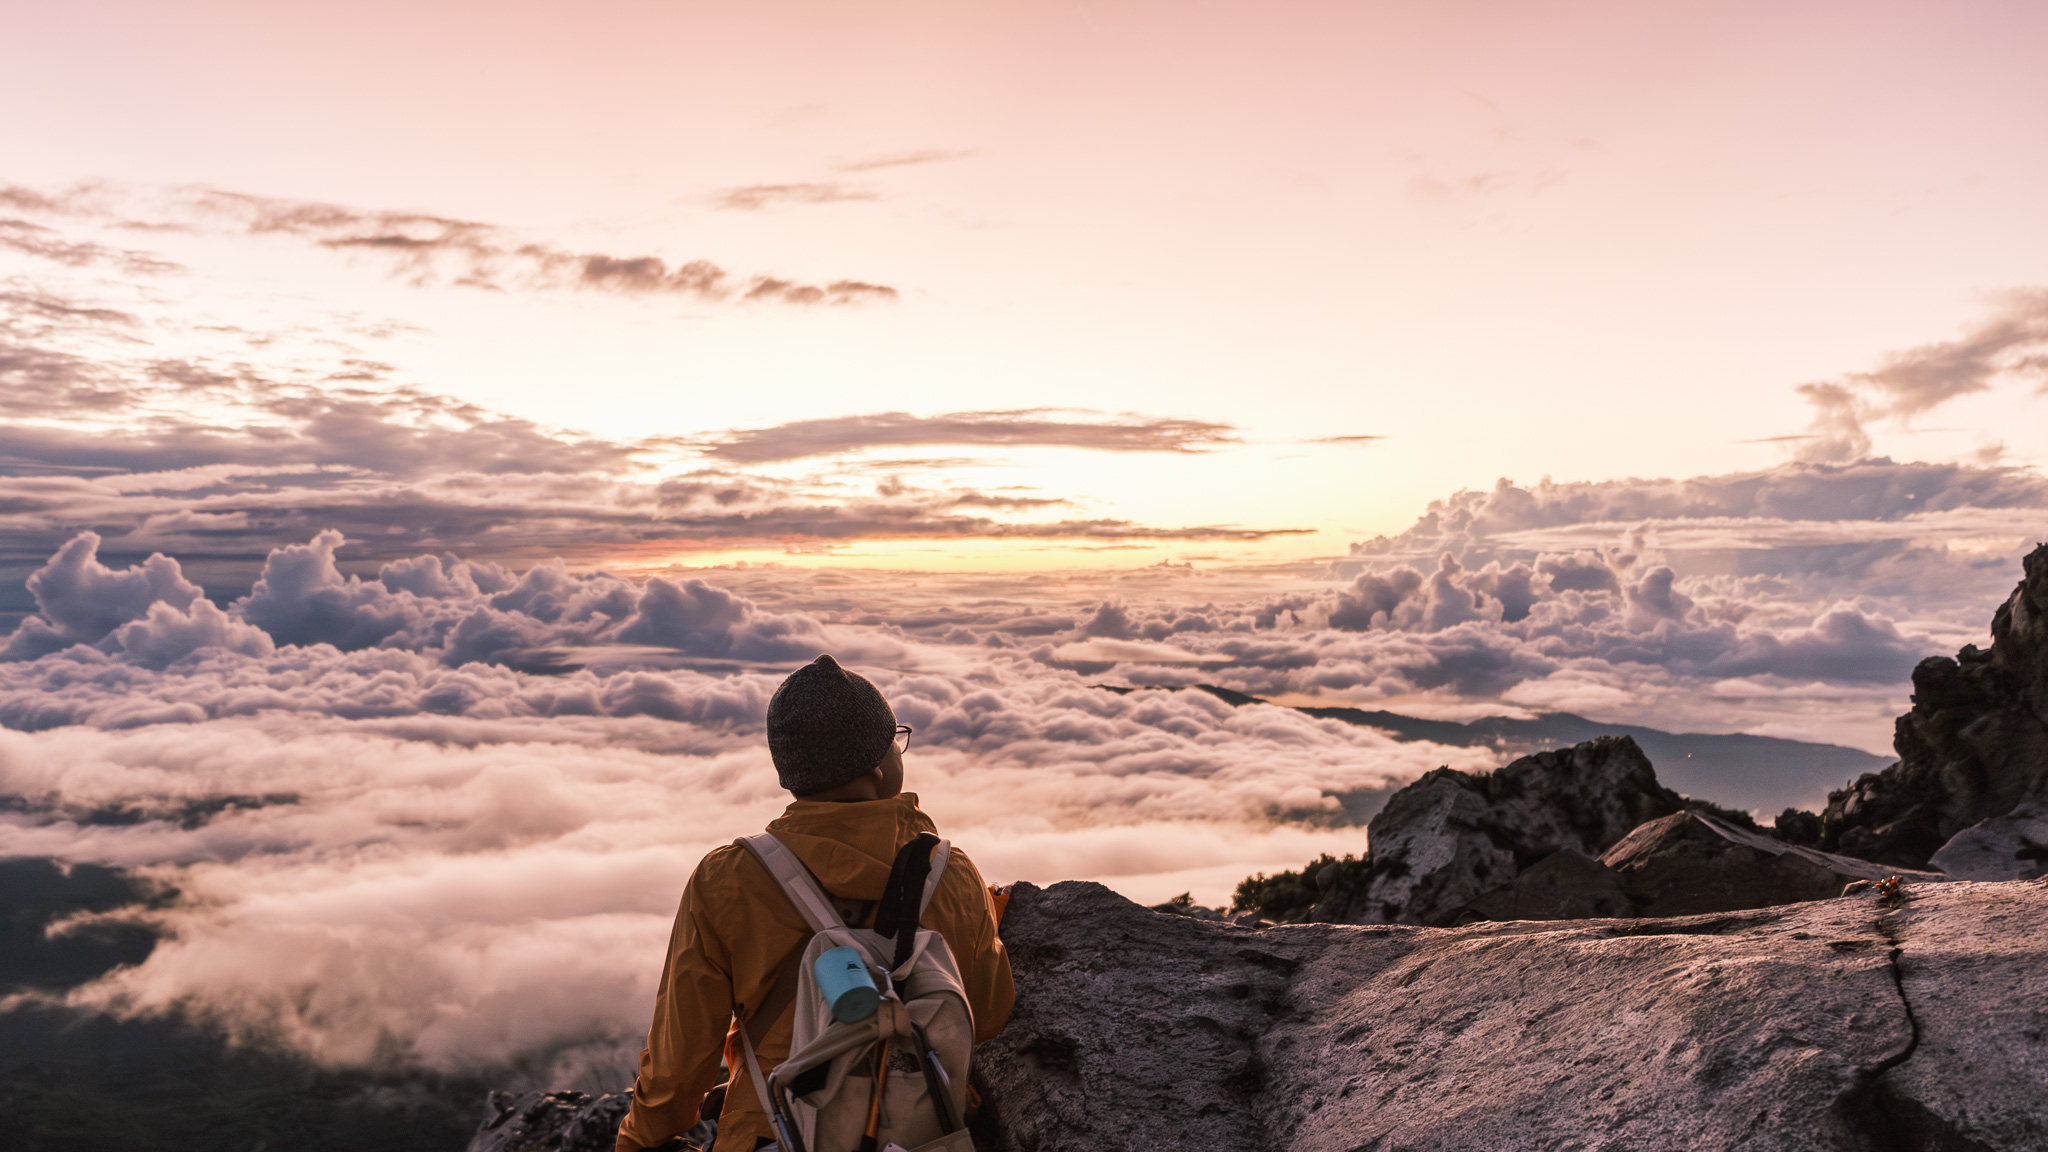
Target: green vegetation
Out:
[1289,897]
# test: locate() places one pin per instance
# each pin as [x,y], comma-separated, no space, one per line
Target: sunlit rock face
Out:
[1450,837]
[2009,847]
[1974,746]
[1844,1024]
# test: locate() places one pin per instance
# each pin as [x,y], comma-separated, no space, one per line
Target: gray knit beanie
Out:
[827,726]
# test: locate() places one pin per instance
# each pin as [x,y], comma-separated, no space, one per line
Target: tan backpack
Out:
[915,1047]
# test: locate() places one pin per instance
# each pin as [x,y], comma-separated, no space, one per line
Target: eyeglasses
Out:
[902,741]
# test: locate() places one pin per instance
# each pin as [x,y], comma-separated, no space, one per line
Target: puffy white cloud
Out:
[459,611]
[165,634]
[302,598]
[700,619]
[80,600]
[1868,490]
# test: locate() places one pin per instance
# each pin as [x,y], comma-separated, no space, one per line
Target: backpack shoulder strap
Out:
[913,880]
[931,884]
[814,904]
[811,901]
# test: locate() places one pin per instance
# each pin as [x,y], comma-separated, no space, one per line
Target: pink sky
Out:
[1588,240]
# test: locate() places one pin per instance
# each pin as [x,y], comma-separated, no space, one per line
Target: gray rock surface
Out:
[1448,837]
[1974,746]
[2009,847]
[1434,849]
[550,1121]
[1844,1024]
[1565,885]
[1690,863]
[1971,966]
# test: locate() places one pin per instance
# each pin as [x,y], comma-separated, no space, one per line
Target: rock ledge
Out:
[1779,1028]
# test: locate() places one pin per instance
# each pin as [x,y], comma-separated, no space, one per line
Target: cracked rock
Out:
[1971,969]
[1778,1028]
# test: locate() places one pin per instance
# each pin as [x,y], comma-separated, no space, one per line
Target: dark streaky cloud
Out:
[225,461]
[2012,343]
[1022,426]
[30,239]
[422,246]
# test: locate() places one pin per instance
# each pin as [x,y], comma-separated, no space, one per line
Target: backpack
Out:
[916,1045]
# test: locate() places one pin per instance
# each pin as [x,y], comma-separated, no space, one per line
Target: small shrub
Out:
[1291,897]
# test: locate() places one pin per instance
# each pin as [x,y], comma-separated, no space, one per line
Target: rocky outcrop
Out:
[2009,847]
[550,1122]
[1453,848]
[1974,746]
[1843,1024]
[1520,844]
[1449,837]
[1691,862]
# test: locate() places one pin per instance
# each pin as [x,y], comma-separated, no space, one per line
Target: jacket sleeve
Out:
[692,1011]
[970,931]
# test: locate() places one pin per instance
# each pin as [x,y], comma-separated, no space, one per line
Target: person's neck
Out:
[854,793]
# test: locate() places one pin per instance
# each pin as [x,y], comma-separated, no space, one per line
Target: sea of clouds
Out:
[448,811]
[442,811]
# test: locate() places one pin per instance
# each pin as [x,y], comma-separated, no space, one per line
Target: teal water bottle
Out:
[850,993]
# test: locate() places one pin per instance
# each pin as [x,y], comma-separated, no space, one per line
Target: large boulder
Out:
[1842,1024]
[1690,863]
[1450,836]
[1565,885]
[1974,746]
[1435,847]
[2009,847]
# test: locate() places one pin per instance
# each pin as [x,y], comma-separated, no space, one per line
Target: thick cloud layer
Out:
[445,809]
[390,838]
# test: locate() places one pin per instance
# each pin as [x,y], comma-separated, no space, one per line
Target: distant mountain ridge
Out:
[1765,774]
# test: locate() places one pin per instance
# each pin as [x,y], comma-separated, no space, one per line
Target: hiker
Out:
[838,749]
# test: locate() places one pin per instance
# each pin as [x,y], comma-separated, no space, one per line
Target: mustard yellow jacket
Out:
[735,932]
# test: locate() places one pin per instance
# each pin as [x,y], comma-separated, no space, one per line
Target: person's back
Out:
[736,933]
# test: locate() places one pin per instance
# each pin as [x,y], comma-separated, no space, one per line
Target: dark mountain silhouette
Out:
[1755,773]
